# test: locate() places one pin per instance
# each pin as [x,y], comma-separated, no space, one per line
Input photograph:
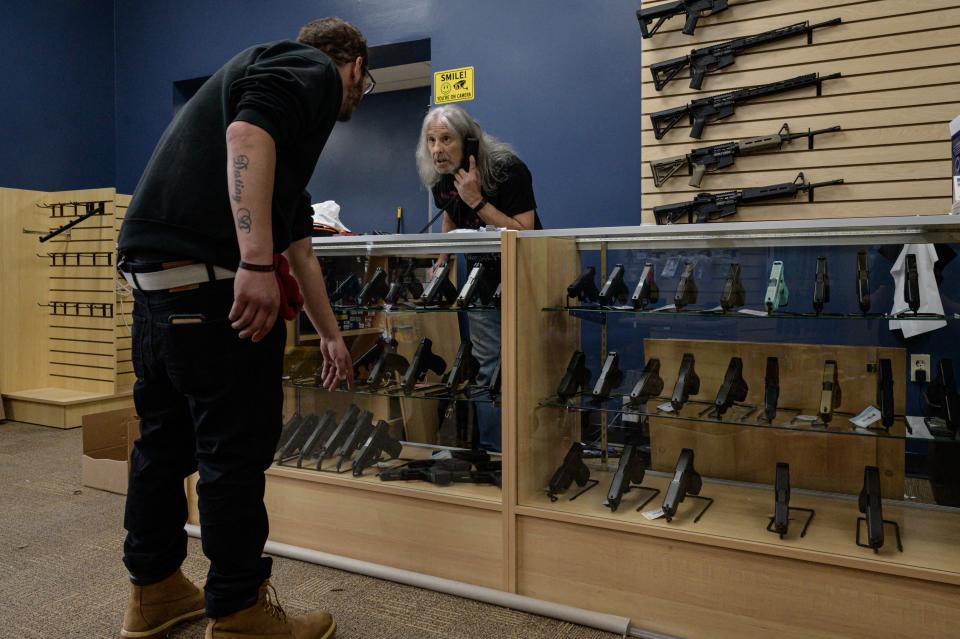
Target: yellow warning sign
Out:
[453,85]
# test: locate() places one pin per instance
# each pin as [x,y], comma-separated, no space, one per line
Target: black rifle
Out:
[715,206]
[911,284]
[863,282]
[702,111]
[610,378]
[688,383]
[720,156]
[686,481]
[571,470]
[614,288]
[378,443]
[830,394]
[686,288]
[297,438]
[423,360]
[646,292]
[475,287]
[390,361]
[943,401]
[375,289]
[357,436]
[871,505]
[584,288]
[733,292]
[464,369]
[692,9]
[347,290]
[339,434]
[771,389]
[649,385]
[821,286]
[405,286]
[576,377]
[629,474]
[720,56]
[440,291]
[885,392]
[327,423]
[780,522]
[734,387]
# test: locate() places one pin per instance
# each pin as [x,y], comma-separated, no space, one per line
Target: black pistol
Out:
[336,438]
[780,522]
[346,291]
[378,443]
[630,472]
[821,286]
[389,362]
[363,365]
[610,377]
[584,288]
[475,288]
[871,505]
[649,385]
[646,292]
[733,294]
[771,389]
[464,369]
[943,401]
[423,360]
[298,438]
[734,387]
[576,378]
[327,423]
[571,470]
[830,396]
[440,291]
[375,289]
[863,282]
[405,286]
[688,383]
[614,289]
[686,481]
[885,392]
[911,284]
[686,288]
[355,438]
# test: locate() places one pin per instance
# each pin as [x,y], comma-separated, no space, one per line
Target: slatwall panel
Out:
[123,313]
[900,63]
[81,350]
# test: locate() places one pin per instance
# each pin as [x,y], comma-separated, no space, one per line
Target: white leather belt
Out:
[176,277]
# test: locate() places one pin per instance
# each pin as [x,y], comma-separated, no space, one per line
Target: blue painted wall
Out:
[556,78]
[58,105]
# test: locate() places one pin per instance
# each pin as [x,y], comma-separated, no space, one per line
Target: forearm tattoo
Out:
[244,220]
[240,164]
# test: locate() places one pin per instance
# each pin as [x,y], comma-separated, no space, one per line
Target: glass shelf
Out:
[430,392]
[403,308]
[741,313]
[745,415]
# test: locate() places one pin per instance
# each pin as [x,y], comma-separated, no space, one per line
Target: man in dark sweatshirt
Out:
[219,214]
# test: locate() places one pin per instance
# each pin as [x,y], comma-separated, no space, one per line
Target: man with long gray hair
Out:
[492,188]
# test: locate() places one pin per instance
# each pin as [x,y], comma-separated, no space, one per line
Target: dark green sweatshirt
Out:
[181,206]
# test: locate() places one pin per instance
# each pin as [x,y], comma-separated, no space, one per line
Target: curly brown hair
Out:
[336,37]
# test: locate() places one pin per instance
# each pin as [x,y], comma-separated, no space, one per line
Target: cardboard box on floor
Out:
[107,440]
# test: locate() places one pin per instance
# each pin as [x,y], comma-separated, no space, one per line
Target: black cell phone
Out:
[471,146]
[186,318]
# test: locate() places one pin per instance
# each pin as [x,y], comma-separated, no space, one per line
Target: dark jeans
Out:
[207,400]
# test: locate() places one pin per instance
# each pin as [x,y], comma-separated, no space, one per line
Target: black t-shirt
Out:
[514,196]
[181,206]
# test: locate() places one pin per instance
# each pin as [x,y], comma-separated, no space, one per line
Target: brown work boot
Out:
[156,608]
[267,620]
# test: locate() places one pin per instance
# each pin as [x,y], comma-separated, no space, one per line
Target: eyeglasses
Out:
[369,84]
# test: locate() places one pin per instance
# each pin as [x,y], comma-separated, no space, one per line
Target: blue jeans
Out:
[485,335]
[207,400]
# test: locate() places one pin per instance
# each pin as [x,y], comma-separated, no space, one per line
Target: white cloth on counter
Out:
[930,302]
[328,214]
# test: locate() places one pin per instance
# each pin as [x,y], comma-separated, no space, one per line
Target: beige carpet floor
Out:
[61,574]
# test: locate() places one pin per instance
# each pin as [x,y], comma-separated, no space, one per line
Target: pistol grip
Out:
[697,176]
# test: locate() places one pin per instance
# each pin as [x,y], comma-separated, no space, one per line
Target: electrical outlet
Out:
[919,363]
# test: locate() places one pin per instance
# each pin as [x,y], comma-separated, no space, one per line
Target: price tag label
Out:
[668,307]
[666,407]
[653,514]
[867,417]
[754,312]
